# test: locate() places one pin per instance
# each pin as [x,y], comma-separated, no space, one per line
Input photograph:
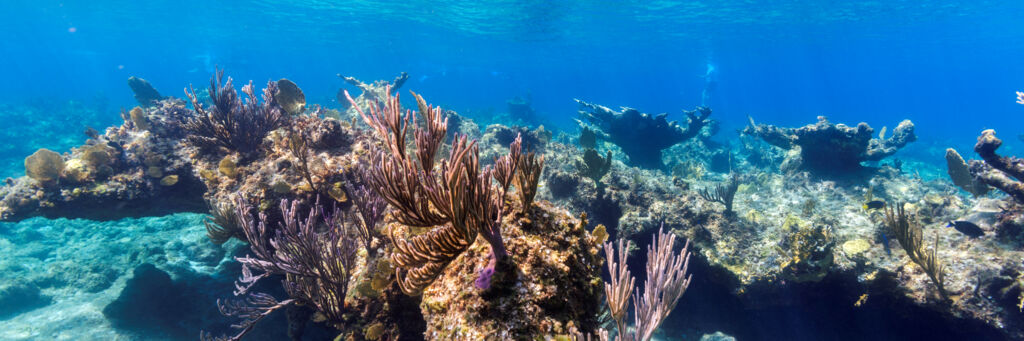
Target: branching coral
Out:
[527,177]
[666,282]
[641,136]
[253,308]
[370,209]
[910,236]
[829,148]
[223,223]
[455,197]
[593,166]
[1005,173]
[723,194]
[372,92]
[233,123]
[314,253]
[299,144]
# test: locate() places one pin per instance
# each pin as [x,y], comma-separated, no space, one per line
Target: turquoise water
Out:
[952,67]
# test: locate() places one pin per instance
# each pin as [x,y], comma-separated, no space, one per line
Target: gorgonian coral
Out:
[454,196]
[44,166]
[233,123]
[666,282]
[313,253]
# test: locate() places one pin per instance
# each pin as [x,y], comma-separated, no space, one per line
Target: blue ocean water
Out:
[952,67]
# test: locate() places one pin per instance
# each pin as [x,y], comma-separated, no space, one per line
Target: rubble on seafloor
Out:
[788,225]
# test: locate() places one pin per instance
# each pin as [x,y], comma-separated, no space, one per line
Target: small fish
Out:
[874,205]
[966,227]
[885,243]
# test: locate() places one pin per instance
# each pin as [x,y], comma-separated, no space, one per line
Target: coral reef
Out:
[774,245]
[642,137]
[314,253]
[372,234]
[556,288]
[828,149]
[111,175]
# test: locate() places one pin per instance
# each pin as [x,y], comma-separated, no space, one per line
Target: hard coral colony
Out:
[369,217]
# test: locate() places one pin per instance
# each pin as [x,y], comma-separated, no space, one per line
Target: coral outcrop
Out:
[112,175]
[642,137]
[1005,173]
[828,149]
[557,281]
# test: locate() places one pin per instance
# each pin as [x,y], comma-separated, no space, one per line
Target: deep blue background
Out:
[951,67]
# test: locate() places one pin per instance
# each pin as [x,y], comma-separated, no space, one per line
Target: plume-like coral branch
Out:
[232,123]
[453,196]
[910,236]
[314,253]
[251,310]
[666,282]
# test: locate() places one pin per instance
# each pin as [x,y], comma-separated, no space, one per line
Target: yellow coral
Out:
[374,331]
[228,167]
[337,192]
[75,170]
[138,118]
[44,165]
[860,301]
[381,275]
[96,156]
[754,216]
[207,174]
[600,234]
[169,180]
